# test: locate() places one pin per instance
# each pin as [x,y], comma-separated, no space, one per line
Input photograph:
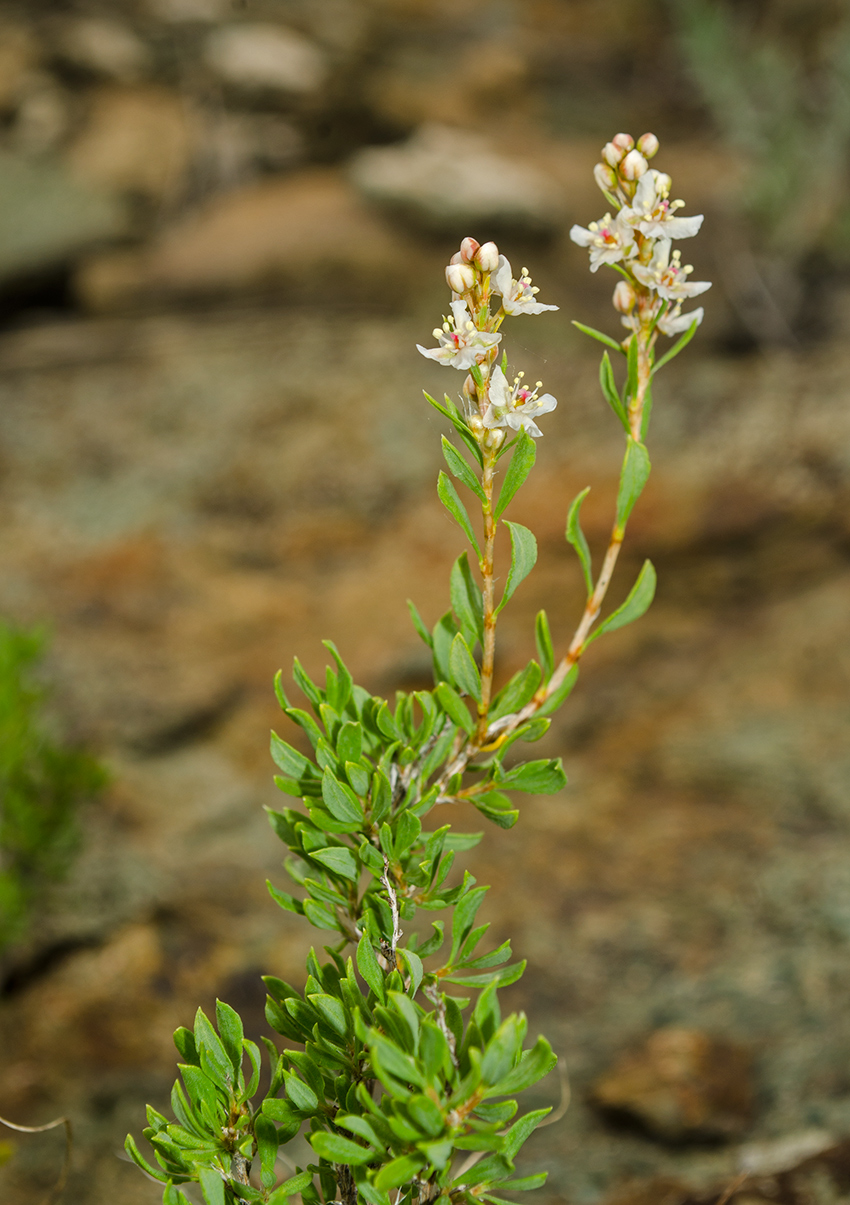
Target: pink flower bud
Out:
[460,277]
[648,145]
[487,257]
[634,165]
[624,297]
[612,154]
[605,176]
[467,250]
[623,142]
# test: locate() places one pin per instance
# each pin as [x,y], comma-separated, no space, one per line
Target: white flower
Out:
[460,343]
[666,275]
[653,214]
[609,239]
[518,296]
[674,322]
[515,406]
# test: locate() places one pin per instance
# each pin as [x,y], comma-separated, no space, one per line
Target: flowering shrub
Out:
[398,1063]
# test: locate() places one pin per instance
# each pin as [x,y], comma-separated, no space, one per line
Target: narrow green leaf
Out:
[451,501]
[290,1187]
[459,468]
[367,965]
[543,640]
[632,360]
[288,759]
[455,708]
[286,901]
[598,335]
[349,742]
[463,669]
[300,1094]
[398,1172]
[212,1186]
[337,1149]
[636,605]
[230,1030]
[678,346]
[542,777]
[609,390]
[559,695]
[633,477]
[576,537]
[267,1145]
[340,800]
[459,425]
[419,624]
[517,692]
[521,465]
[466,597]
[523,558]
[338,860]
[534,1064]
[133,1151]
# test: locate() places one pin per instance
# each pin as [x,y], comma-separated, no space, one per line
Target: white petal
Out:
[545,404]
[498,390]
[461,315]
[581,236]
[503,277]
[683,227]
[645,198]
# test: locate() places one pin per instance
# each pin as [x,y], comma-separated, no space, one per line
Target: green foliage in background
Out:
[41,784]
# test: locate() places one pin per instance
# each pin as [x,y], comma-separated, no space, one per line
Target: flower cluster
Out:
[469,337]
[637,240]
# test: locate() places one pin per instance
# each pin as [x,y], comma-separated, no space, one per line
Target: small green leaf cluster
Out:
[42,782]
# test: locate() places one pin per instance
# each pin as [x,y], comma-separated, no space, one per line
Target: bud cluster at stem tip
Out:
[637,240]
[478,274]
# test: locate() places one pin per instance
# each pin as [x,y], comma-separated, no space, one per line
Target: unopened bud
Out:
[648,144]
[663,184]
[625,142]
[634,165]
[460,277]
[605,176]
[624,297]
[487,257]
[457,258]
[476,424]
[612,154]
[467,250]
[495,437]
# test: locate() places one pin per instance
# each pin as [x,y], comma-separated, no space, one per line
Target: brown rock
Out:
[136,140]
[681,1084]
[294,229]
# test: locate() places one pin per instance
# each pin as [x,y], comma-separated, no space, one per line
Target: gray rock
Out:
[443,177]
[47,218]
[259,58]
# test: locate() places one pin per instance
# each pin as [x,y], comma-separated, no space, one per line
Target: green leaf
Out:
[290,1187]
[523,558]
[140,1161]
[426,1115]
[267,1145]
[521,1130]
[459,425]
[466,598]
[319,916]
[463,669]
[501,1052]
[451,501]
[497,808]
[349,743]
[212,1186]
[340,800]
[543,640]
[230,1029]
[678,346]
[414,969]
[632,359]
[460,469]
[561,693]
[337,1149]
[300,1095]
[521,465]
[455,708]
[536,777]
[637,603]
[398,1172]
[367,965]
[576,537]
[535,1063]
[290,760]
[598,335]
[214,1059]
[525,1183]
[338,860]
[288,902]
[609,390]
[517,692]
[633,477]
[419,624]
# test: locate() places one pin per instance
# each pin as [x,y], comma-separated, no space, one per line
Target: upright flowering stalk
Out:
[400,1085]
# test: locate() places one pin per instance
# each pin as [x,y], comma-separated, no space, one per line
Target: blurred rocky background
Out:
[222,229]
